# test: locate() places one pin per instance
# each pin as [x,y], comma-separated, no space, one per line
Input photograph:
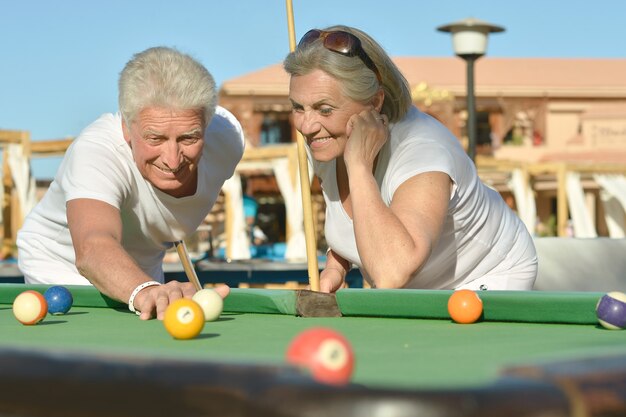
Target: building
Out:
[549,133]
[540,115]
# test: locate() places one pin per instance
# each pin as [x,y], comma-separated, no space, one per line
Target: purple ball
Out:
[611,310]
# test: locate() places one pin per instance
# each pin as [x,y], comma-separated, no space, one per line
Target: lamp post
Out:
[469,40]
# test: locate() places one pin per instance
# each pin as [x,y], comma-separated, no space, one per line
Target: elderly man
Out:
[134,182]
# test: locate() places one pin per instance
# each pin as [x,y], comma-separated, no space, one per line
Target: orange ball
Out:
[465,306]
[184,319]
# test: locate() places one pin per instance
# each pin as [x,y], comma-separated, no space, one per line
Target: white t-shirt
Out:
[483,242]
[99,165]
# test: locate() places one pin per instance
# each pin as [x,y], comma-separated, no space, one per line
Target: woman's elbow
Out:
[392,279]
[396,276]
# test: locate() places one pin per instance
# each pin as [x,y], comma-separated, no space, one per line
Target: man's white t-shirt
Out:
[483,242]
[99,165]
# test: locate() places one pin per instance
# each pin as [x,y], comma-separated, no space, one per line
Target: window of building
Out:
[275,128]
[483,128]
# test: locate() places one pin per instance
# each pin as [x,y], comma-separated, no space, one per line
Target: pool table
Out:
[531,354]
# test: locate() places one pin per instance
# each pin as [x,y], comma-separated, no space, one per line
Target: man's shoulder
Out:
[225,134]
[224,120]
[102,140]
[105,130]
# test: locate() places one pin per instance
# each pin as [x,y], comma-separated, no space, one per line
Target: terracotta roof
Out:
[271,80]
[531,77]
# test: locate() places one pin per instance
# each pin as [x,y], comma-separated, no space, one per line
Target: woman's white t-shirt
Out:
[483,243]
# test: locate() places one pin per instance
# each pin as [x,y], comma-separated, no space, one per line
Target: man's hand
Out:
[154,300]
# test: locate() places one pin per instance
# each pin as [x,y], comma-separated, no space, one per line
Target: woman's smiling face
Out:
[321,113]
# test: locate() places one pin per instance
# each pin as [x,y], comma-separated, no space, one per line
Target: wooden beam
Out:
[11,136]
[293,175]
[267,152]
[7,236]
[228,223]
[50,147]
[562,210]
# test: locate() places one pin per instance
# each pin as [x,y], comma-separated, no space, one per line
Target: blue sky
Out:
[61,59]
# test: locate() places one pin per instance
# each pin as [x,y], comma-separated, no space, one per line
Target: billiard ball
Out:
[30,307]
[465,306]
[59,299]
[211,303]
[611,310]
[184,319]
[324,353]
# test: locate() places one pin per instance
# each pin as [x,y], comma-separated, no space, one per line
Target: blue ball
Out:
[59,299]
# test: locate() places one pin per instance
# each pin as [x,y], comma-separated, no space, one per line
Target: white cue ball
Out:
[30,307]
[211,303]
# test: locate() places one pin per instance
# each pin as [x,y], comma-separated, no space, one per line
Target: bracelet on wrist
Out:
[131,300]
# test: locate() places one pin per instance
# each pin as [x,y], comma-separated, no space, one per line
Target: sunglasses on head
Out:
[341,42]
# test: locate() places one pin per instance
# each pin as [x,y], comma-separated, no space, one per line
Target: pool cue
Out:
[305,185]
[181,248]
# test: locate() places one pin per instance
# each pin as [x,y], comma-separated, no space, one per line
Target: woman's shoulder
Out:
[419,132]
[418,124]
[420,143]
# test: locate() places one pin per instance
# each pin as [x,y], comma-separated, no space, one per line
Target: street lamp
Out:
[469,40]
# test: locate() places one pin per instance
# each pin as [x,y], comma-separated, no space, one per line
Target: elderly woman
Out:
[134,182]
[403,201]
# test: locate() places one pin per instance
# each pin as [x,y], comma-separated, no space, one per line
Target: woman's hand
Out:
[367,133]
[331,279]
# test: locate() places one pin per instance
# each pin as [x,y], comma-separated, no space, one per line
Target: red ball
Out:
[465,306]
[30,307]
[325,353]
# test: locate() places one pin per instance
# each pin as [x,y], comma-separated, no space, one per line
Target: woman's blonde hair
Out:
[357,81]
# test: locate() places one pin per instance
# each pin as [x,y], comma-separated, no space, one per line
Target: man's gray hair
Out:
[165,77]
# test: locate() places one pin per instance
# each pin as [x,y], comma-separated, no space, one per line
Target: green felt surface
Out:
[390,352]
[83,295]
[514,306]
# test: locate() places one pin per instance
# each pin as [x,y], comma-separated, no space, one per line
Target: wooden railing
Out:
[557,169]
[11,211]
[12,218]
